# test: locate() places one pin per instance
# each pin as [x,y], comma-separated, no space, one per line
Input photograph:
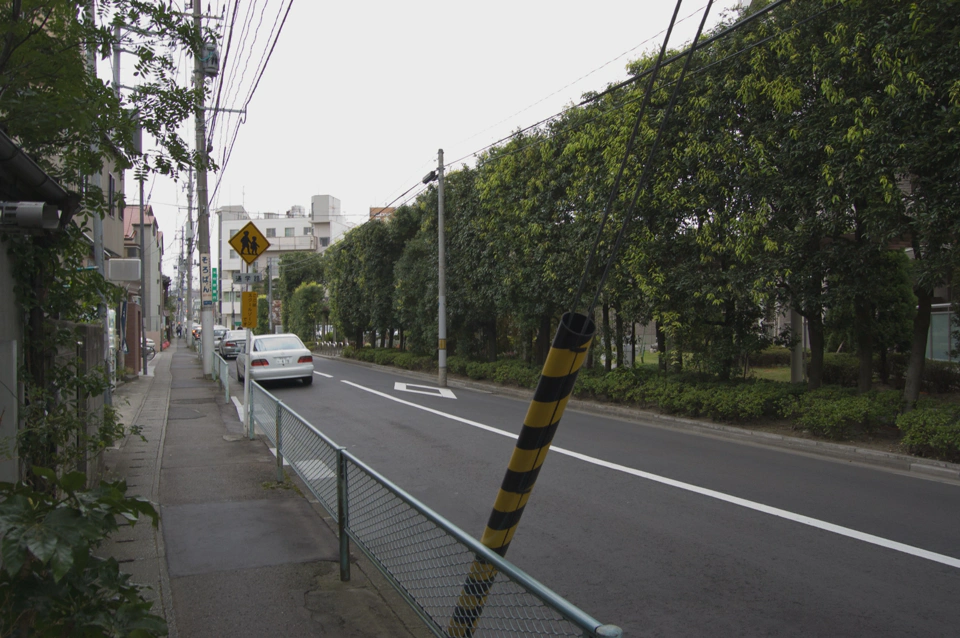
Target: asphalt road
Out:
[664,532]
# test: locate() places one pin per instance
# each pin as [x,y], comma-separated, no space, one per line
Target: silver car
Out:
[218,332]
[232,343]
[274,357]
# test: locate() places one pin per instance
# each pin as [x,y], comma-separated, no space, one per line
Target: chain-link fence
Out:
[431,562]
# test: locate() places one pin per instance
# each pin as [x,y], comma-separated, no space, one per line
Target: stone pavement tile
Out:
[208,537]
[266,601]
[179,486]
[177,456]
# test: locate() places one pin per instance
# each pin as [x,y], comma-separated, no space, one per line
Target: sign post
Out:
[249,243]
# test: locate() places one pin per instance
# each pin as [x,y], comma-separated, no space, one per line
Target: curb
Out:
[888,460]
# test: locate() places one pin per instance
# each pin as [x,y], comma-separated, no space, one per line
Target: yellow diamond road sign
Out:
[249,243]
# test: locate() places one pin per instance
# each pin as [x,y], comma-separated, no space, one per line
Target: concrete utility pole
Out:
[95,180]
[442,267]
[189,260]
[203,215]
[796,355]
[270,295]
[143,283]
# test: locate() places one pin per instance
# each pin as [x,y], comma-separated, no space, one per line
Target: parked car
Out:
[232,344]
[218,332]
[277,356]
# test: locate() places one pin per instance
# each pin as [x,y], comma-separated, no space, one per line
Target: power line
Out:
[593,98]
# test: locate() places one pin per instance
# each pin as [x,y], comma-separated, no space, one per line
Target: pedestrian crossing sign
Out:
[249,243]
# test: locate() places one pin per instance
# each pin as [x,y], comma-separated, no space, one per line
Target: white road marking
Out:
[429,390]
[329,376]
[239,406]
[727,498]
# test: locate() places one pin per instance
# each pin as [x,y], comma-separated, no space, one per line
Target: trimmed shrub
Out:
[749,401]
[770,357]
[516,372]
[841,369]
[932,432]
[385,356]
[941,377]
[410,361]
[835,412]
[457,365]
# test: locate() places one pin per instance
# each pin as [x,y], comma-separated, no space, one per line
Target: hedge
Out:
[933,432]
[833,411]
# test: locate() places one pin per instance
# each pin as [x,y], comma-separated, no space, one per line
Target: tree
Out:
[308,309]
[69,121]
[296,269]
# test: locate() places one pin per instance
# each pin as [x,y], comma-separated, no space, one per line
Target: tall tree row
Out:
[805,151]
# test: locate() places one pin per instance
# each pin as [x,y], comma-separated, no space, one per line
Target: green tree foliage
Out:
[347,303]
[308,309]
[296,268]
[263,316]
[71,122]
[806,150]
[50,582]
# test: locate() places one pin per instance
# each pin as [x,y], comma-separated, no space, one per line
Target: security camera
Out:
[27,215]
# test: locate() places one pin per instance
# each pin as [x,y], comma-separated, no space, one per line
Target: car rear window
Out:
[278,343]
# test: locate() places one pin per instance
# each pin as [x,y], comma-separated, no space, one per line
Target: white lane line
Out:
[727,498]
[329,376]
[239,406]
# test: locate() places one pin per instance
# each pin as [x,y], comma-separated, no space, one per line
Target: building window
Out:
[324,241]
[289,232]
[234,232]
[271,232]
[132,252]
[308,230]
[233,254]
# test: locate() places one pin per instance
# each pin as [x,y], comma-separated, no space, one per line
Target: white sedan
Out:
[274,357]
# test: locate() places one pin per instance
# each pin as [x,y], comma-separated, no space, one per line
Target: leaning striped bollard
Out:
[566,356]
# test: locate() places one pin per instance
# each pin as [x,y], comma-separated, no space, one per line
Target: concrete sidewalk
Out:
[236,553]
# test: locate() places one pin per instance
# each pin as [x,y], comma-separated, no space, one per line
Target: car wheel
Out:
[308,380]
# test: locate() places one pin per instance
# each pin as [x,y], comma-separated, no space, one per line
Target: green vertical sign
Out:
[216,283]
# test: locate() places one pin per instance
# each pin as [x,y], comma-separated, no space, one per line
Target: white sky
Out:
[358,96]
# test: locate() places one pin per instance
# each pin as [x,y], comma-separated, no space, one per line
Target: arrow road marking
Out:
[429,390]
[950,561]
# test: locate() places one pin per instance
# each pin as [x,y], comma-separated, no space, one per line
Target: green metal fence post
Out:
[343,516]
[277,412]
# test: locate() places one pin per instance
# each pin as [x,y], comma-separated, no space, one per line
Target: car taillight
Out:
[229,344]
[258,362]
[306,359]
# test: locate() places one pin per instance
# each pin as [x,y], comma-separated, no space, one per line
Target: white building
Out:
[295,230]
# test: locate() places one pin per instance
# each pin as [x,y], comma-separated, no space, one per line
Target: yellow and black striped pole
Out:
[566,356]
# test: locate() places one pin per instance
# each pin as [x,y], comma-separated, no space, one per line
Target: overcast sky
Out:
[358,96]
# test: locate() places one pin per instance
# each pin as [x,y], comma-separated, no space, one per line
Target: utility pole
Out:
[189,261]
[270,294]
[203,215]
[220,267]
[95,180]
[143,282]
[442,268]
[442,274]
